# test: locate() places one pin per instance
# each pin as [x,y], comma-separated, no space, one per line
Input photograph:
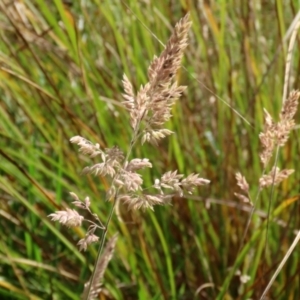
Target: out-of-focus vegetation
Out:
[61,66]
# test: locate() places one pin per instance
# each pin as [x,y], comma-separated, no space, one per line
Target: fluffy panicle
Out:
[149,108]
[153,136]
[130,181]
[68,217]
[102,169]
[87,240]
[74,196]
[136,199]
[112,158]
[173,181]
[283,131]
[243,198]
[87,202]
[276,134]
[242,182]
[275,176]
[86,147]
[114,154]
[154,101]
[163,69]
[144,201]
[267,139]
[81,204]
[129,93]
[244,186]
[138,164]
[290,106]
[286,123]
[193,180]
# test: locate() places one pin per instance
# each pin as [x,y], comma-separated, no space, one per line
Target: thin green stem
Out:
[250,216]
[104,232]
[93,223]
[115,201]
[270,199]
[249,220]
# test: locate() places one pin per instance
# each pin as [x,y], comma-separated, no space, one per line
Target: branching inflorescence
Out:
[149,109]
[274,135]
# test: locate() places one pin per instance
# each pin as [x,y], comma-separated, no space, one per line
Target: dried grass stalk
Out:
[99,271]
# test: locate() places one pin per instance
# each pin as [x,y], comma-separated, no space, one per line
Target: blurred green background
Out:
[61,66]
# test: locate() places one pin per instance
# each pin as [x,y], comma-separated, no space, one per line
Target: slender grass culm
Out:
[149,109]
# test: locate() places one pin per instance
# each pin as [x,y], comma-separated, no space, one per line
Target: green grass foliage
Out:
[61,66]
